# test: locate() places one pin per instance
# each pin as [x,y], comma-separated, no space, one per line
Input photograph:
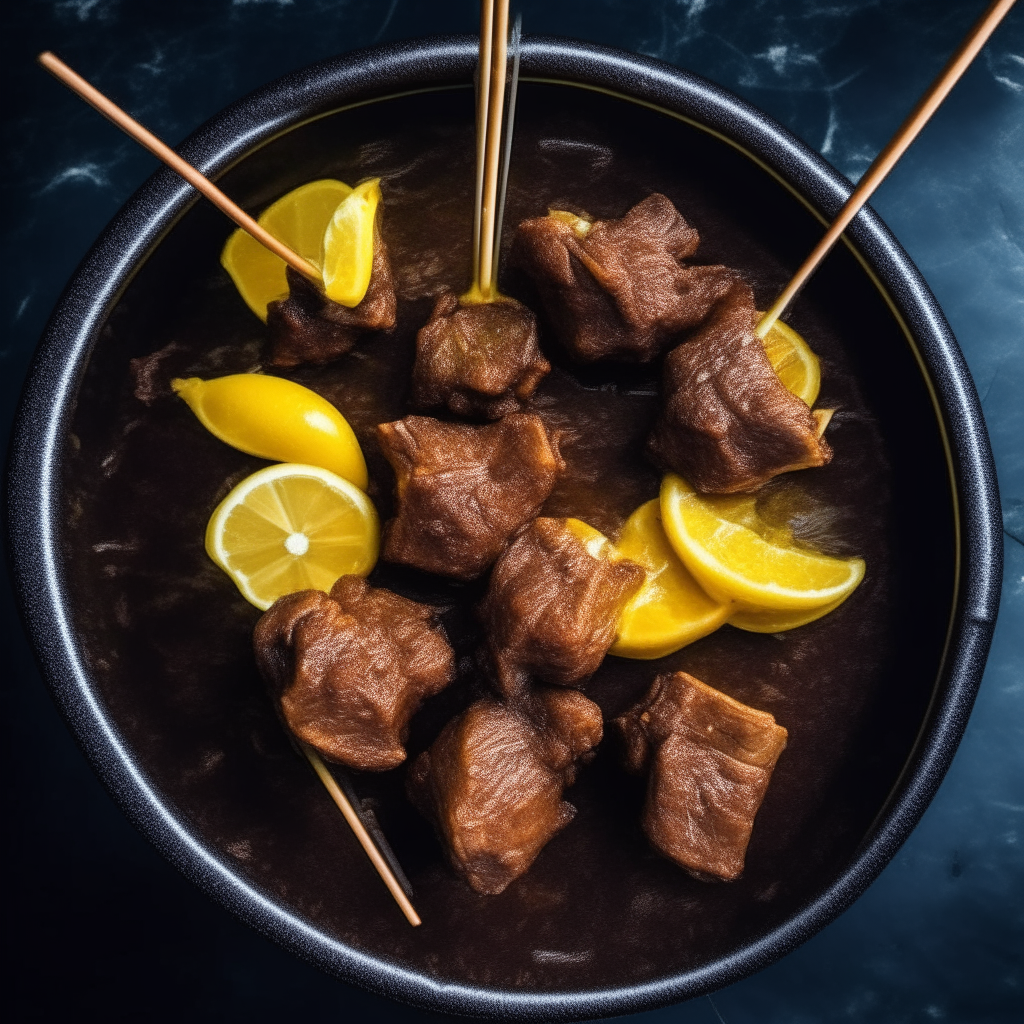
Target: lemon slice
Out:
[736,558]
[794,362]
[670,610]
[299,219]
[276,419]
[292,527]
[348,245]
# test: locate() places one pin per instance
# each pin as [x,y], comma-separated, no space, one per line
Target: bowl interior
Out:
[167,638]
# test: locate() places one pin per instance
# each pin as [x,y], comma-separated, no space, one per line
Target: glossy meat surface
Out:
[619,290]
[709,760]
[349,670]
[728,424]
[478,360]
[307,327]
[552,607]
[492,782]
[462,491]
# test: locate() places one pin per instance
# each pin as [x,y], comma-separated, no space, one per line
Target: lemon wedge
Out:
[735,557]
[348,245]
[596,543]
[793,361]
[276,419]
[299,219]
[580,225]
[291,527]
[670,610]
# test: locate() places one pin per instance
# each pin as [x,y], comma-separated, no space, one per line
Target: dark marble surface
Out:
[97,922]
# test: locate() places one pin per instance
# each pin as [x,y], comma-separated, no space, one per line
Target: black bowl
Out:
[146,647]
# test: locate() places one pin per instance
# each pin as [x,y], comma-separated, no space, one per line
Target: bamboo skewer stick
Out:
[114,113]
[888,157]
[357,826]
[515,51]
[483,93]
[492,163]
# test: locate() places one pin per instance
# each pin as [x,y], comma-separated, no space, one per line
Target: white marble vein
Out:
[87,171]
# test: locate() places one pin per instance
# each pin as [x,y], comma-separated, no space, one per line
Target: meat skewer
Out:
[728,424]
[886,160]
[478,354]
[147,139]
[493,141]
[110,110]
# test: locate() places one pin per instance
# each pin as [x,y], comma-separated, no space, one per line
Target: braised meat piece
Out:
[709,759]
[616,288]
[552,606]
[308,327]
[492,782]
[728,424]
[462,491]
[349,670]
[478,360]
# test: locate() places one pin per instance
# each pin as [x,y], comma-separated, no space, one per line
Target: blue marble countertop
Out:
[99,923]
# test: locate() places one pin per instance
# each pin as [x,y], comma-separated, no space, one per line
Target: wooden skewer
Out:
[886,160]
[113,112]
[515,53]
[357,826]
[483,93]
[492,164]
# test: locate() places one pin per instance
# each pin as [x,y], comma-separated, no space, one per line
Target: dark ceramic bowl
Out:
[145,644]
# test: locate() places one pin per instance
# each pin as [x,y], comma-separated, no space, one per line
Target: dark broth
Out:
[168,637]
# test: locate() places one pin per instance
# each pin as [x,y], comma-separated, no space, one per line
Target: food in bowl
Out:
[624,901]
[349,670]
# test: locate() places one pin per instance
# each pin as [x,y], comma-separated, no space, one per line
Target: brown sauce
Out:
[168,637]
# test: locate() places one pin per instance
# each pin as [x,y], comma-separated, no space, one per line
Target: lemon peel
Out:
[776,621]
[348,245]
[275,418]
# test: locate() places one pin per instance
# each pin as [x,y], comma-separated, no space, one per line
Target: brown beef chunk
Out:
[492,782]
[478,360]
[728,424]
[617,289]
[552,607]
[349,670]
[710,759]
[308,327]
[462,491]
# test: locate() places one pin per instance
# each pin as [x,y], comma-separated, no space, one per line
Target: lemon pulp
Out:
[299,219]
[348,245]
[793,361]
[670,610]
[278,419]
[735,557]
[292,527]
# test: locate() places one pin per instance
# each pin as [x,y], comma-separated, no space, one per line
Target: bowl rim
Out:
[382,72]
